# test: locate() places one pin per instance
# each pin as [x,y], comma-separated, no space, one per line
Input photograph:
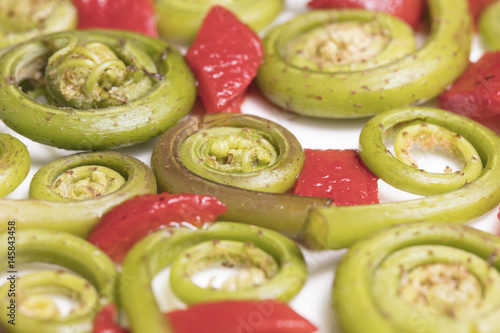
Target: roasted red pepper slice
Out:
[132,15]
[410,11]
[104,321]
[337,174]
[130,221]
[476,94]
[224,57]
[267,316]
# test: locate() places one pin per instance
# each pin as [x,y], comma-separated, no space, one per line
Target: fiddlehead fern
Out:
[337,227]
[278,211]
[103,89]
[356,63]
[180,20]
[94,287]
[72,193]
[21,20]
[420,277]
[276,256]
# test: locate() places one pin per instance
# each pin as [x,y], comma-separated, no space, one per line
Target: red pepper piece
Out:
[267,316]
[132,15]
[337,174]
[410,11]
[104,321]
[224,57]
[134,219]
[234,106]
[476,93]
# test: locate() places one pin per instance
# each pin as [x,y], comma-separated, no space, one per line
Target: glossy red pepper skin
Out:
[224,57]
[130,221]
[476,94]
[105,321]
[267,316]
[131,15]
[410,11]
[337,174]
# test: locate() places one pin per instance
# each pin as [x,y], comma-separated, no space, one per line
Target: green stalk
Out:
[338,227]
[145,88]
[165,247]
[95,286]
[49,210]
[14,163]
[282,212]
[420,277]
[488,26]
[179,20]
[307,82]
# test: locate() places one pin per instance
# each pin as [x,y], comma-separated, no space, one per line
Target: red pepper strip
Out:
[267,316]
[234,106]
[132,15]
[130,221]
[224,57]
[337,174]
[476,7]
[475,94]
[104,321]
[410,11]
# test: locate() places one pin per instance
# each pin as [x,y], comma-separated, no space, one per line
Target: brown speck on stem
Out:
[164,54]
[492,258]
[156,76]
[11,79]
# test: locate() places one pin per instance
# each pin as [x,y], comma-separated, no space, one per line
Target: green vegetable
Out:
[251,155]
[420,277]
[338,227]
[94,286]
[86,75]
[488,26]
[179,20]
[103,88]
[89,190]
[14,163]
[282,212]
[406,175]
[21,20]
[192,250]
[356,63]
